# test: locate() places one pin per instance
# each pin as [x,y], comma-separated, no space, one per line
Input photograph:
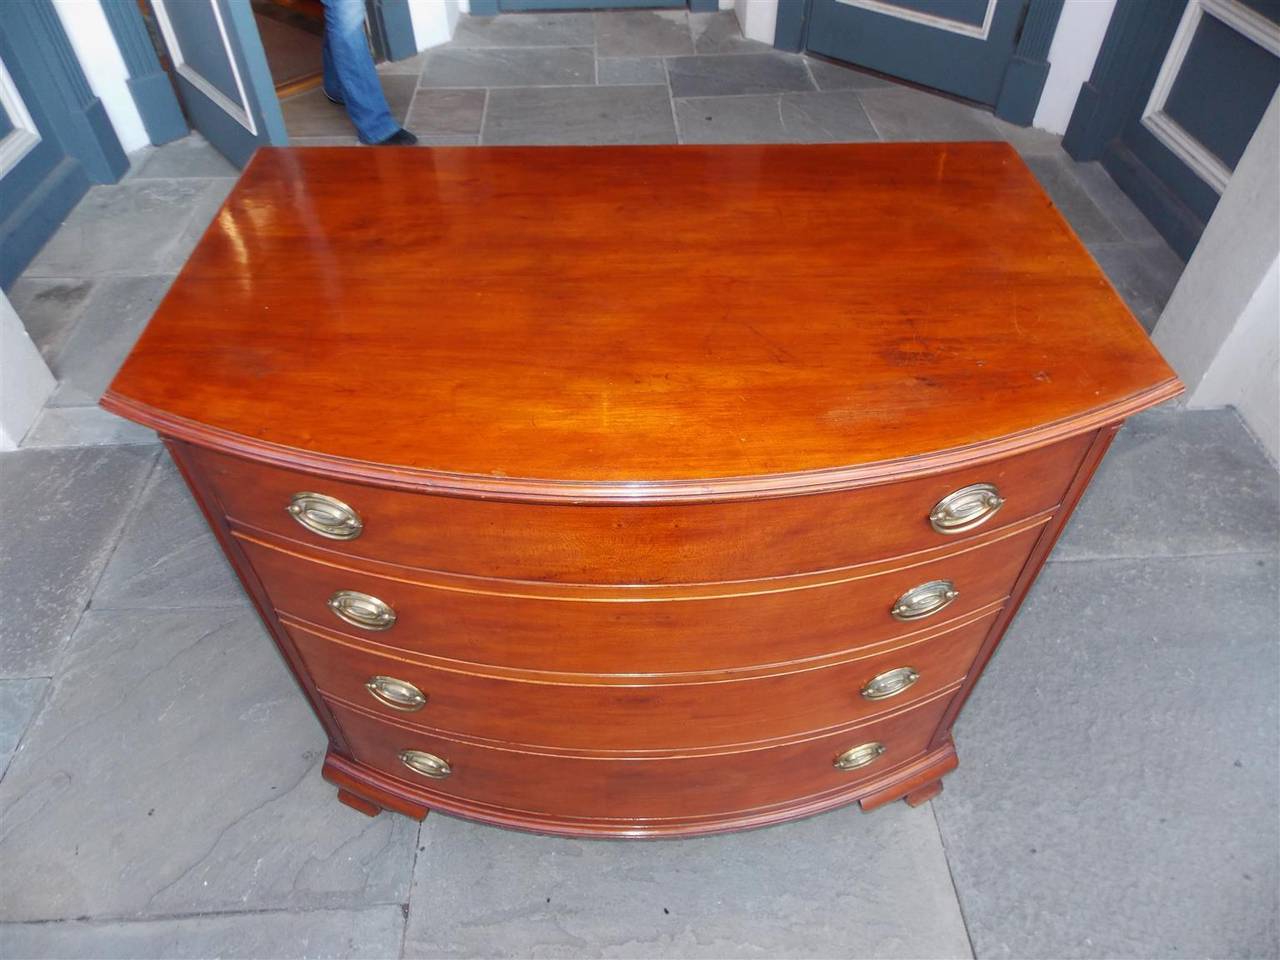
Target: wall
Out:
[1221,328]
[1071,57]
[758,18]
[434,20]
[104,68]
[25,381]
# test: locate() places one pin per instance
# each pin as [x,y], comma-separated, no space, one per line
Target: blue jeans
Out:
[349,76]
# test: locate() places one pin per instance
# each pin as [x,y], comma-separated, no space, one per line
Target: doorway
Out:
[292,33]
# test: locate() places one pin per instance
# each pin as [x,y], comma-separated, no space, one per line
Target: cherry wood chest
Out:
[638,491]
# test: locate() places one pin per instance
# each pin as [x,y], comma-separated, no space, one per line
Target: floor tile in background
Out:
[840,884]
[64,510]
[1116,795]
[203,763]
[311,934]
[593,115]
[1173,484]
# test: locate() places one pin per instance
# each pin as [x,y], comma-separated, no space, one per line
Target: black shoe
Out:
[333,99]
[401,138]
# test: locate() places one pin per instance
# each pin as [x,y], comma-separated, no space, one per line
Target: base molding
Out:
[369,791]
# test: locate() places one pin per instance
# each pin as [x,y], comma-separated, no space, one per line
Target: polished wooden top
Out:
[631,321]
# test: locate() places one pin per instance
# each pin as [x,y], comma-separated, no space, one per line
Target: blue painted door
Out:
[39,181]
[963,47]
[221,73]
[1175,102]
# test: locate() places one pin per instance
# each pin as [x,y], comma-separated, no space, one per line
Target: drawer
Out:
[639,788]
[641,632]
[622,715]
[674,543]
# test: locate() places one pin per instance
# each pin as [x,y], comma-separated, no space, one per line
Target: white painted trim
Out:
[103,65]
[1255,27]
[19,141]
[25,380]
[929,19]
[239,112]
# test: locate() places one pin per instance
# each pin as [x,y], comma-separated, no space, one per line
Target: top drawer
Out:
[660,543]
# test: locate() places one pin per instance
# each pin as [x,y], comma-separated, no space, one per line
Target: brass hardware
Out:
[426,764]
[325,515]
[859,756]
[396,694]
[966,508]
[361,610]
[924,600]
[890,683]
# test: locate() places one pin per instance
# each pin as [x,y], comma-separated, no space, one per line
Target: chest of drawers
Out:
[638,491]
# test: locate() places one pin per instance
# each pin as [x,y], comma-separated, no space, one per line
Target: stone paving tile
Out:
[167,555]
[829,116]
[526,30]
[50,309]
[19,700]
[1144,274]
[112,321]
[133,228]
[192,156]
[721,33]
[446,113]
[1056,176]
[630,70]
[588,115]
[509,67]
[643,33]
[176,769]
[409,65]
[755,119]
[1111,200]
[1029,141]
[737,74]
[1116,795]
[83,427]
[901,113]
[64,510]
[1178,482]
[841,884]
[372,932]
[833,76]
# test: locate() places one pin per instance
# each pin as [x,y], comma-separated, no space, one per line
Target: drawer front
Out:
[637,636]
[635,716]
[681,543]
[571,786]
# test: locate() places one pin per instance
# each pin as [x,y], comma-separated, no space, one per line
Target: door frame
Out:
[1136,43]
[1023,80]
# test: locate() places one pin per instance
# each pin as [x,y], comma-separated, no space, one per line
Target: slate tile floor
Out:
[161,793]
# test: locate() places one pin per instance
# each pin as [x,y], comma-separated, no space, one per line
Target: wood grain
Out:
[622,322]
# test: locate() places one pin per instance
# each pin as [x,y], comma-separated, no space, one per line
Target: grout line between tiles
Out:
[1206,555]
[484,117]
[955,889]
[200,914]
[671,101]
[60,655]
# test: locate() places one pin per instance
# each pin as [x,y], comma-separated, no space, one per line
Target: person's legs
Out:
[349,76]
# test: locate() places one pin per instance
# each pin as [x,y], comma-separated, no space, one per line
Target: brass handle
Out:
[924,600]
[890,683]
[361,610]
[396,694]
[426,764]
[326,516]
[859,756]
[966,508]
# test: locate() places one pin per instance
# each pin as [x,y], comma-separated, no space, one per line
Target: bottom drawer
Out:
[690,784]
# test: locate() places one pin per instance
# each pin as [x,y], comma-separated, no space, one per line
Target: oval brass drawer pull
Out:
[325,515]
[924,600]
[859,756]
[890,683]
[396,694]
[426,764]
[361,610]
[966,508]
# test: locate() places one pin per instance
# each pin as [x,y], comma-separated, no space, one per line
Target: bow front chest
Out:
[638,491]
